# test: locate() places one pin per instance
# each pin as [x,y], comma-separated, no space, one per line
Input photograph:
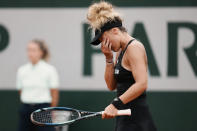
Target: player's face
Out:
[114,38]
[34,52]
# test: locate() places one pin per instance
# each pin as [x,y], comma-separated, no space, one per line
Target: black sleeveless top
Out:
[124,79]
[141,119]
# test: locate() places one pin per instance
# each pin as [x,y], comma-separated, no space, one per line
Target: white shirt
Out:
[35,82]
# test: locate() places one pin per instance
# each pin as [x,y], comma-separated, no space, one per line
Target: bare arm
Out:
[55,97]
[136,57]
[109,76]
[109,68]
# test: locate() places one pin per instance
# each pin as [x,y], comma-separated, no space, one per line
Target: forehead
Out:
[32,45]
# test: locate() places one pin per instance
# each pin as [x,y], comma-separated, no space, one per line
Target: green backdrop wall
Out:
[172,111]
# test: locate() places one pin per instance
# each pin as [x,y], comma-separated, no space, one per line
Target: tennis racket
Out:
[57,116]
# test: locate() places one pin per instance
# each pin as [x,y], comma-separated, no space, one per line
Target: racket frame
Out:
[80,112]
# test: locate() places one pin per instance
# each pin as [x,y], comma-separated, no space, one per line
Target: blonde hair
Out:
[101,13]
[43,47]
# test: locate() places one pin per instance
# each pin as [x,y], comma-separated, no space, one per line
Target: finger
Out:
[107,44]
[110,46]
[103,115]
[102,45]
[108,114]
[104,41]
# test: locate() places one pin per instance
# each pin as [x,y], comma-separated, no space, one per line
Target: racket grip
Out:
[126,112]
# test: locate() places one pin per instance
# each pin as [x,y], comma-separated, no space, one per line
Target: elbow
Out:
[110,84]
[110,87]
[143,85]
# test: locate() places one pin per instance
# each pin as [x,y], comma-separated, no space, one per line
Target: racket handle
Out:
[126,112]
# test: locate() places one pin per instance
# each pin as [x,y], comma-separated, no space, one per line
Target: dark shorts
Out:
[25,123]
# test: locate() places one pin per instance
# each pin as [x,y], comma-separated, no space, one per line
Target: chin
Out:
[115,50]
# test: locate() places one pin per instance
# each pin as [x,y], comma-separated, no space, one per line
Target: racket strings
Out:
[43,117]
[55,116]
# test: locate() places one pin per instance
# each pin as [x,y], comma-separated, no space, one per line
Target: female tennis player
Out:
[128,74]
[37,82]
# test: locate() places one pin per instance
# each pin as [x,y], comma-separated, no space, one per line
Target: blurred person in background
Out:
[37,82]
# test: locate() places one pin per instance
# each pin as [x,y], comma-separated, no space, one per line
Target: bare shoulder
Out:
[136,48]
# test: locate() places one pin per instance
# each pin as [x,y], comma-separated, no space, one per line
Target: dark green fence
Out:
[172,111]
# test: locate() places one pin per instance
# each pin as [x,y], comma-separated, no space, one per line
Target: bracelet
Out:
[110,61]
[117,102]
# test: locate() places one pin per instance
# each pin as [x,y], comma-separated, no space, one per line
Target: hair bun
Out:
[100,13]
